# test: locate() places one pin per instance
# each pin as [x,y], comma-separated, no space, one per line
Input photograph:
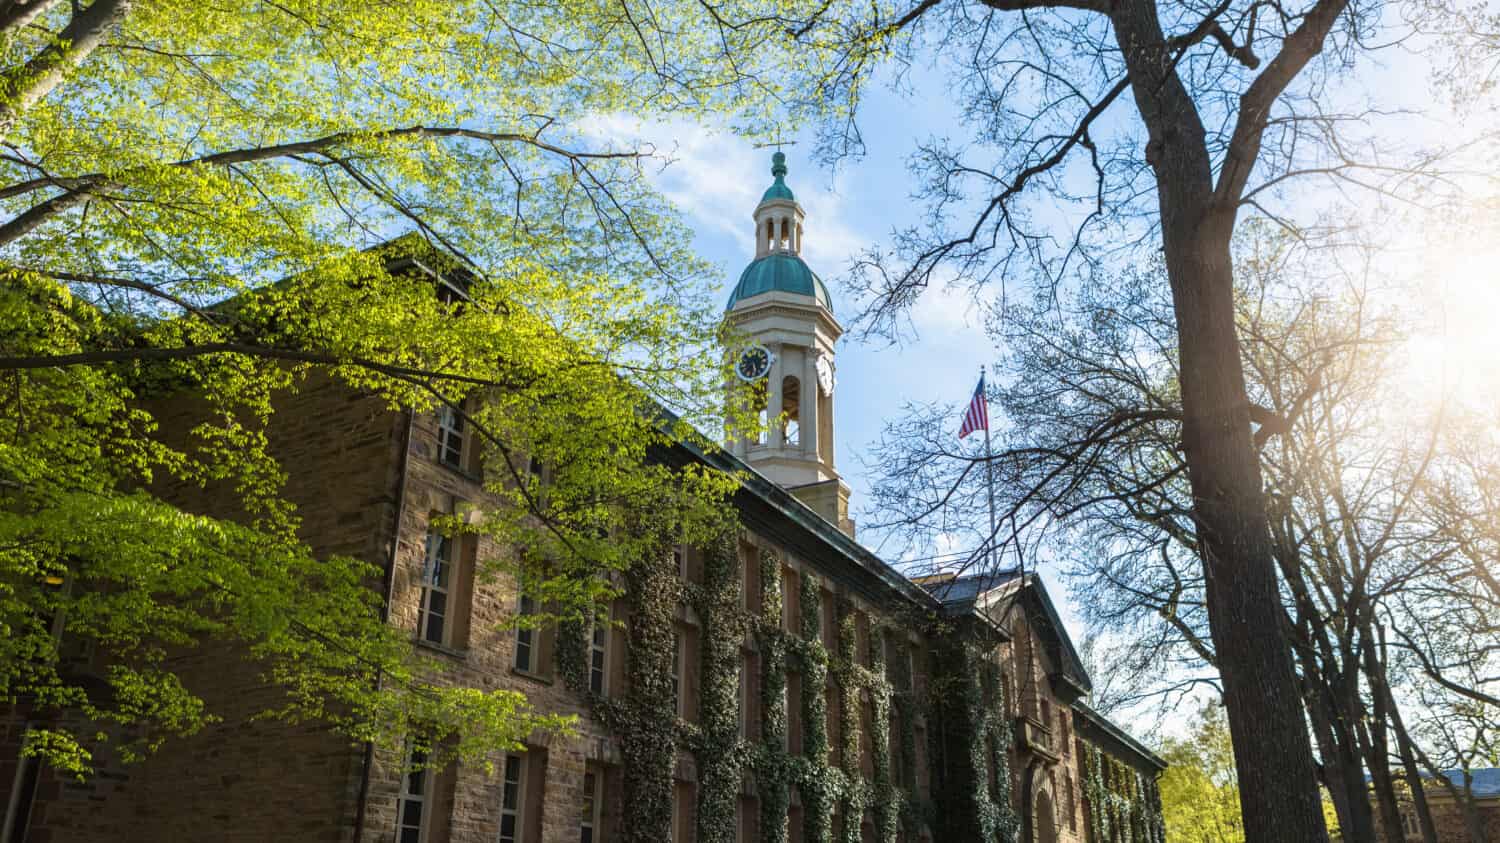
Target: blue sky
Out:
[716,178]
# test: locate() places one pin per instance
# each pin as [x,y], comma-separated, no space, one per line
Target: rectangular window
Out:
[752,715]
[862,638]
[684,803]
[412,807]
[833,721]
[450,438]
[677,672]
[512,799]
[747,828]
[526,638]
[828,620]
[794,712]
[437,572]
[741,698]
[791,599]
[679,561]
[588,821]
[866,738]
[750,578]
[794,824]
[598,663]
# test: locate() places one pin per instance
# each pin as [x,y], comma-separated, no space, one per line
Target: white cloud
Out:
[716,179]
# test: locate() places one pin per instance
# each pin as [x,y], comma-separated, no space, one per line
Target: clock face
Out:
[754,364]
[825,375]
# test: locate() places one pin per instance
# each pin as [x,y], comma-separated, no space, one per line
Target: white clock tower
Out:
[783,312]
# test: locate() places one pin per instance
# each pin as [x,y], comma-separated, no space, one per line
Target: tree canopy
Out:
[207,198]
[1199,799]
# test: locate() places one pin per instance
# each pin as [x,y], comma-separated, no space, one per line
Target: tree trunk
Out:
[1343,774]
[1278,789]
[1413,775]
[1376,753]
[1272,753]
[1326,695]
[1404,745]
[1379,751]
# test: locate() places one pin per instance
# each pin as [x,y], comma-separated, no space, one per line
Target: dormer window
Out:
[451,293]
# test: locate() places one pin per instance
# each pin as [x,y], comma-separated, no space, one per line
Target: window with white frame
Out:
[437,573]
[526,638]
[593,803]
[598,657]
[512,799]
[413,808]
[450,437]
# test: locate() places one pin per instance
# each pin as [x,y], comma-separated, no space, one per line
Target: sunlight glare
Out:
[1454,349]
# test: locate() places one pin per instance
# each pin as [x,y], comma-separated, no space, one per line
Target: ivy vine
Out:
[1124,804]
[825,790]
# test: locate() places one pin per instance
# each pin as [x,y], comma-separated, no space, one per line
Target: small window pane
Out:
[412,815]
[450,438]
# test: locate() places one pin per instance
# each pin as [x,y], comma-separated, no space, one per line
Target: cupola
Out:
[784,312]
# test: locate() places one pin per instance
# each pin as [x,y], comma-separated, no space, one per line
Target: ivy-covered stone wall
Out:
[1124,804]
[825,790]
[961,708]
[973,739]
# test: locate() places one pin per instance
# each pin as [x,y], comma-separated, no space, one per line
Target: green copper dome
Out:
[778,188]
[780,271]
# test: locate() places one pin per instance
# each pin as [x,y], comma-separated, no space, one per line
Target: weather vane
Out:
[778,143]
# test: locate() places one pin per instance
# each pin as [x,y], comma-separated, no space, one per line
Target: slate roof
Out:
[1124,745]
[962,595]
[1485,784]
[959,594]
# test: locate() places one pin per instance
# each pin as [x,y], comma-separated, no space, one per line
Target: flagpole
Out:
[989,472]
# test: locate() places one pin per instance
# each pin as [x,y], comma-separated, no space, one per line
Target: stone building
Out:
[815,693]
[1460,806]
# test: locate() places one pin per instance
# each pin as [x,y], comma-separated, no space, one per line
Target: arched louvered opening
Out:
[791,394]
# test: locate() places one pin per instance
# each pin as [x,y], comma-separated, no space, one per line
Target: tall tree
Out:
[194,198]
[1227,102]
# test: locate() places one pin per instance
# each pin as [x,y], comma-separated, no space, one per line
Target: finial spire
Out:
[778,165]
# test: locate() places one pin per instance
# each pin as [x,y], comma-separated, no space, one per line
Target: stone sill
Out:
[471,476]
[534,677]
[462,655]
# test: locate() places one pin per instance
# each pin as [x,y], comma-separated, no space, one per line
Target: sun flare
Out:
[1453,352]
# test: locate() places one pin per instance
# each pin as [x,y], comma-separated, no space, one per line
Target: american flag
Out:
[977,417]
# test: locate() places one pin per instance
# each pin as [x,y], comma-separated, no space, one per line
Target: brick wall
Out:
[243,780]
[240,780]
[1447,819]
